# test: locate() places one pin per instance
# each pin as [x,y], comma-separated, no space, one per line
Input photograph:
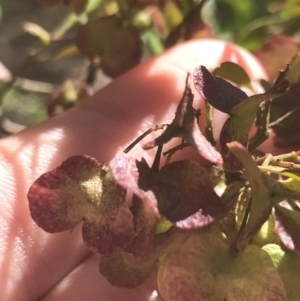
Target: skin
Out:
[35,265]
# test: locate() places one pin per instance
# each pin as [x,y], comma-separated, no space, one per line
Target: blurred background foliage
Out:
[54,53]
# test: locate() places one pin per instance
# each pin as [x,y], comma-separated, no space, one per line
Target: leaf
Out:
[119,50]
[288,267]
[194,136]
[238,125]
[261,195]
[80,190]
[110,228]
[203,269]
[192,27]
[234,73]
[195,221]
[284,114]
[266,235]
[287,226]
[135,176]
[183,188]
[59,199]
[124,270]
[185,125]
[145,222]
[219,93]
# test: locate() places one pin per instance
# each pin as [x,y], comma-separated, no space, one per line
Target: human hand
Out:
[35,265]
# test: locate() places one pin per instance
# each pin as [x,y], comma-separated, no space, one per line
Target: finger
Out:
[86,283]
[32,261]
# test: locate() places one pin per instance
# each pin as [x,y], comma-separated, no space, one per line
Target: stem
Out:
[209,128]
[169,153]
[262,133]
[136,141]
[156,162]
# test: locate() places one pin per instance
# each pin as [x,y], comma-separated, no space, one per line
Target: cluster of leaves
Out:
[237,244]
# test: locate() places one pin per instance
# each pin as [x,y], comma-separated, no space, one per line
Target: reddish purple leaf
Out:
[219,93]
[195,221]
[194,136]
[129,174]
[183,188]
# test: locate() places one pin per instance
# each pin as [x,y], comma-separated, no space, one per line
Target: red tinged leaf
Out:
[59,199]
[110,227]
[183,188]
[80,190]
[218,92]
[134,175]
[124,270]
[145,226]
[118,46]
[204,269]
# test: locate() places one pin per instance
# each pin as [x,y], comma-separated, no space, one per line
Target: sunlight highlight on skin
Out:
[154,295]
[48,148]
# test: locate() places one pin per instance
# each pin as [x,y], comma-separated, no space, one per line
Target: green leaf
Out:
[118,51]
[234,73]
[266,234]
[203,269]
[262,196]
[238,125]
[288,266]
